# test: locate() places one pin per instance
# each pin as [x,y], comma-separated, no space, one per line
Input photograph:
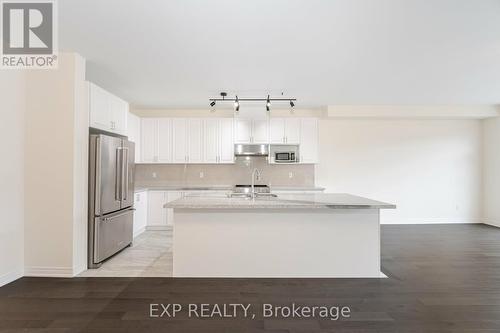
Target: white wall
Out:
[431,169]
[491,171]
[56,168]
[12,109]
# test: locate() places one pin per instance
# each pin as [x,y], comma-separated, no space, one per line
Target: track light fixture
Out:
[237,101]
[236,104]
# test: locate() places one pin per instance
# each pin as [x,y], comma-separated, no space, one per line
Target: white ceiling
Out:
[177,54]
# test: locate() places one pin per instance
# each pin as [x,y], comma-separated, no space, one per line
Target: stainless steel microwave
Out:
[285,157]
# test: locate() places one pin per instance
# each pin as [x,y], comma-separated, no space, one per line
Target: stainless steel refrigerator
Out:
[111,196]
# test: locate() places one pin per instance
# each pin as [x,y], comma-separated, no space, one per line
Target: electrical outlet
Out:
[202,174]
[154,175]
[290,174]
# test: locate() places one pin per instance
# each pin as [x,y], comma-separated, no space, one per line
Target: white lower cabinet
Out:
[157,215]
[160,218]
[141,212]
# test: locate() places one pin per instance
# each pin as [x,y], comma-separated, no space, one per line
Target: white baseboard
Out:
[158,227]
[492,223]
[430,221]
[10,277]
[139,231]
[43,271]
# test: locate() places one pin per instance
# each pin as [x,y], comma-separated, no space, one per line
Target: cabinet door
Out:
[164,140]
[211,140]
[141,212]
[119,110]
[260,131]
[157,215]
[292,130]
[172,196]
[309,140]
[242,130]
[149,140]
[195,139]
[180,140]
[100,115]
[226,140]
[276,130]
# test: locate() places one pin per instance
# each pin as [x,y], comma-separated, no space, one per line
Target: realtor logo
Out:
[28,34]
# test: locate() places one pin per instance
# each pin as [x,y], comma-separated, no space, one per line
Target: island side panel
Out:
[276,243]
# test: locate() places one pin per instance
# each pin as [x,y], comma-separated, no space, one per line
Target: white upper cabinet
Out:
[243,130]
[100,117]
[164,152]
[195,139]
[260,131]
[218,140]
[149,140]
[107,111]
[309,140]
[119,111]
[277,130]
[211,140]
[226,140]
[180,140]
[292,130]
[251,131]
[284,131]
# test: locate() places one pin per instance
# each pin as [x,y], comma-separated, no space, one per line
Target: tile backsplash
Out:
[225,174]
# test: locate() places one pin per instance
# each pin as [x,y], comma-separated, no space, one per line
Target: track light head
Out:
[268,103]
[237,104]
[212,103]
[292,104]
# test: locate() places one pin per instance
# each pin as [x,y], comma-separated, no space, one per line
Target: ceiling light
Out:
[268,103]
[237,104]
[212,103]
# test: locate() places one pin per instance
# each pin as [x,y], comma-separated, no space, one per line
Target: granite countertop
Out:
[140,188]
[310,201]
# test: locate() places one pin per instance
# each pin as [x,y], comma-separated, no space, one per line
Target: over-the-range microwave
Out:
[285,157]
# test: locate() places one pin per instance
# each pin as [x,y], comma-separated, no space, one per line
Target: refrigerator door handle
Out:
[124,172]
[106,219]
[118,174]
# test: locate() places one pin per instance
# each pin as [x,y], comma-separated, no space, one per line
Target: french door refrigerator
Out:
[111,196]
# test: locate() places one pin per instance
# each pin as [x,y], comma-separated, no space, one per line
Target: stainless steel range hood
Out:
[251,150]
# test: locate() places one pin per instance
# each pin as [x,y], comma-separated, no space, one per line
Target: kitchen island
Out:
[306,235]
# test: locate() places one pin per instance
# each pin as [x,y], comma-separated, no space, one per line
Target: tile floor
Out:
[149,256]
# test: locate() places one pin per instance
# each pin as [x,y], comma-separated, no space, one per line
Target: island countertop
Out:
[283,201]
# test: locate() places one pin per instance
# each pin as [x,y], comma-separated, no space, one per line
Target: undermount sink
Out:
[245,191]
[249,195]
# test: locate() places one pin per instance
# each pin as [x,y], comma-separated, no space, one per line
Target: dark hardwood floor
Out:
[442,278]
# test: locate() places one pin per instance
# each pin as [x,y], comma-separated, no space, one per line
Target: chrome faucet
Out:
[255,172]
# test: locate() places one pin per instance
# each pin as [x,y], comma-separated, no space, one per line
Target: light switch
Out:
[290,174]
[202,174]
[154,174]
